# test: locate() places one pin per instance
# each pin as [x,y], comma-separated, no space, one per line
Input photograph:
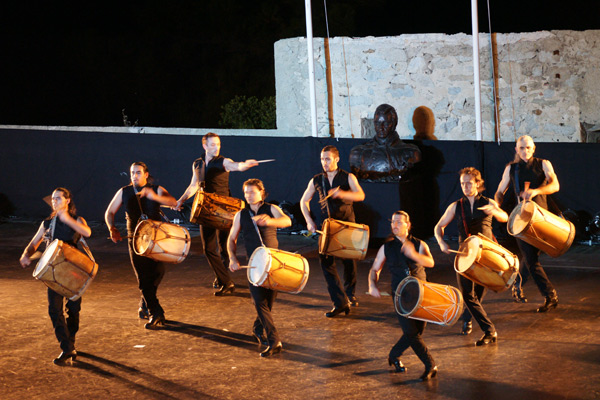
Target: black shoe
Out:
[398,366]
[337,311]
[65,358]
[487,338]
[353,301]
[229,288]
[550,303]
[518,295]
[467,328]
[216,283]
[272,350]
[429,373]
[143,313]
[261,338]
[156,322]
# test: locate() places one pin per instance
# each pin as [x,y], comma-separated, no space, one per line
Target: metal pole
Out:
[476,82]
[311,68]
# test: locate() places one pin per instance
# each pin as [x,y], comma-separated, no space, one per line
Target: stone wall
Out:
[548,84]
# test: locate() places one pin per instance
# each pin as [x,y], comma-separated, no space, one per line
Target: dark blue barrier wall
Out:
[95,165]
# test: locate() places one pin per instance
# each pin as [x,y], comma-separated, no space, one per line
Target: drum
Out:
[427,301]
[278,270]
[65,269]
[486,263]
[161,241]
[540,228]
[344,239]
[214,210]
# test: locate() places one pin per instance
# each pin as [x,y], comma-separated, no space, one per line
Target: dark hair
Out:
[331,149]
[145,168]
[208,136]
[259,184]
[474,172]
[67,195]
[405,214]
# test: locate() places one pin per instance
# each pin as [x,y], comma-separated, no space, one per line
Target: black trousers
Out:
[411,337]
[530,261]
[215,249]
[473,294]
[149,274]
[64,328]
[263,300]
[339,295]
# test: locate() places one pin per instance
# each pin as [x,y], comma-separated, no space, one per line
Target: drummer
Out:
[539,177]
[337,190]
[474,213]
[63,224]
[258,225]
[211,171]
[141,197]
[405,256]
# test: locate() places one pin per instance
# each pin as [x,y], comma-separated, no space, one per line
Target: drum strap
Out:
[142,216]
[464,219]
[324,195]
[49,236]
[256,226]
[516,185]
[86,248]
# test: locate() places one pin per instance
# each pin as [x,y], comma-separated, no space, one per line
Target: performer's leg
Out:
[73,309]
[213,254]
[474,306]
[531,256]
[57,316]
[350,278]
[149,274]
[263,302]
[223,236]
[334,285]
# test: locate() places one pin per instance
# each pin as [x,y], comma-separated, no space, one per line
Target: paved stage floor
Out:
[207,350]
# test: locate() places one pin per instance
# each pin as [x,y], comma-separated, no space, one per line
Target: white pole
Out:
[311,68]
[476,83]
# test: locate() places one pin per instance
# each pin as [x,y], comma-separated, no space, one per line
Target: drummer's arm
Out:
[162,196]
[441,226]
[552,186]
[375,271]
[109,216]
[25,259]
[425,252]
[234,264]
[502,186]
[494,209]
[231,165]
[424,258]
[79,225]
[279,220]
[305,206]
[355,193]
[192,188]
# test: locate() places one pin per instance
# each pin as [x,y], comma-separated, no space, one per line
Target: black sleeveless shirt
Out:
[338,209]
[476,221]
[132,208]
[532,172]
[216,178]
[63,231]
[251,239]
[399,265]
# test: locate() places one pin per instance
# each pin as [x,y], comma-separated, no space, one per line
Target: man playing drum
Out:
[533,179]
[337,190]
[258,225]
[474,214]
[141,198]
[65,225]
[212,169]
[405,256]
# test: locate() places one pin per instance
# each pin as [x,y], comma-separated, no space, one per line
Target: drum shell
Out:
[214,210]
[344,239]
[488,263]
[428,301]
[278,270]
[67,271]
[161,241]
[541,228]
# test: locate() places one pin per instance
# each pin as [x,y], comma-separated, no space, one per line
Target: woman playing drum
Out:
[258,225]
[65,225]
[405,255]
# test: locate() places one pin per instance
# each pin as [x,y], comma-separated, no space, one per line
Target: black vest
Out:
[338,209]
[251,239]
[532,172]
[476,222]
[132,208]
[63,231]
[216,178]
[399,265]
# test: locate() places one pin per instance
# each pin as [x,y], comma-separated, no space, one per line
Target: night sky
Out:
[175,64]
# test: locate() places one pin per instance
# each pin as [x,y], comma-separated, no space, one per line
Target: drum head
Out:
[471,246]
[409,295]
[520,217]
[47,258]
[196,205]
[143,237]
[260,264]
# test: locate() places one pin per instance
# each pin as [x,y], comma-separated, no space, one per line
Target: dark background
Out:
[175,64]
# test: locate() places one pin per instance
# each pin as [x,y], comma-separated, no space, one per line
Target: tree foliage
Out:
[243,112]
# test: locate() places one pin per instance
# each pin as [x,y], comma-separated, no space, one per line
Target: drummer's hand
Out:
[373,291]
[444,247]
[234,265]
[488,209]
[248,164]
[115,235]
[310,225]
[408,248]
[25,260]
[63,215]
[529,194]
[262,219]
[335,193]
[148,193]
[179,205]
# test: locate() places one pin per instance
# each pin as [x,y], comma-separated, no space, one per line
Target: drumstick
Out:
[330,194]
[246,267]
[262,161]
[462,253]
[36,255]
